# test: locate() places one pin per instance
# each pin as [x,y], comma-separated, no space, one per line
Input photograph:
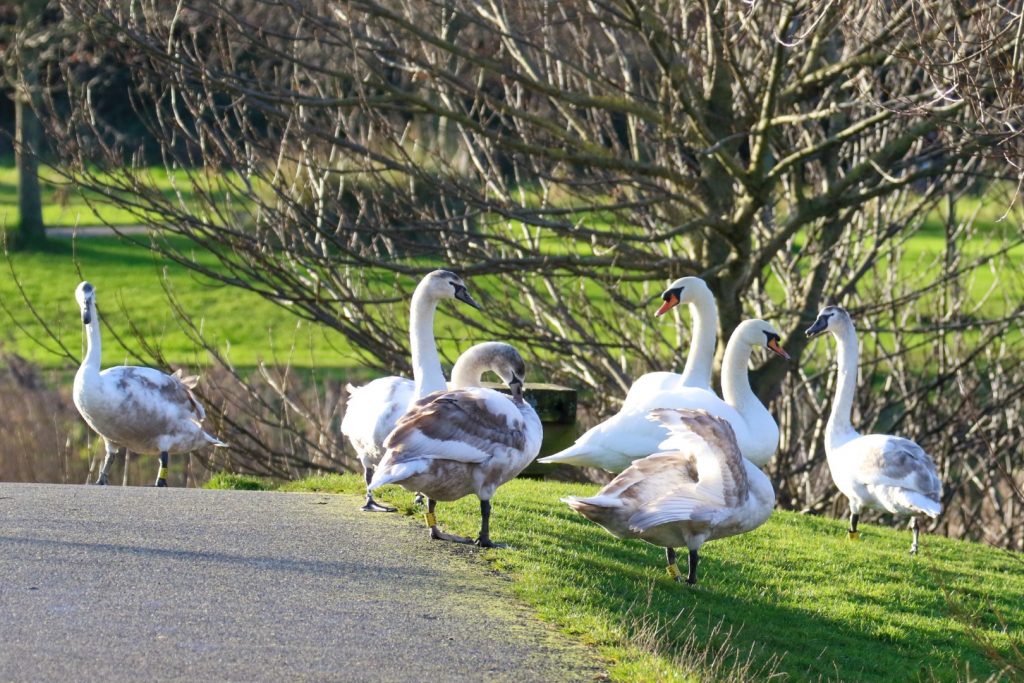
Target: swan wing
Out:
[672,509]
[652,477]
[373,410]
[154,390]
[629,434]
[648,385]
[895,461]
[466,425]
[711,442]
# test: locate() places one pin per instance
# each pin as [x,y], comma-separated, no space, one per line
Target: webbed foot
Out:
[488,543]
[374,506]
[438,535]
[160,483]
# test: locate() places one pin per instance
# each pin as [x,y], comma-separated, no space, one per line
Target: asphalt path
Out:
[126,584]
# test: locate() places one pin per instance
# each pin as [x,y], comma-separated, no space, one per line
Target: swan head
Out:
[830,319]
[498,357]
[504,361]
[444,284]
[683,291]
[761,333]
[85,295]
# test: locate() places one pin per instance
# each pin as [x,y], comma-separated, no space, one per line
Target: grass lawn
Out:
[794,597]
[244,326]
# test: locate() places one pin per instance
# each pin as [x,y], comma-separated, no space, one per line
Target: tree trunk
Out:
[31,232]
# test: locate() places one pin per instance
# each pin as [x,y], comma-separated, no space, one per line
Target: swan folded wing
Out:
[465,425]
[154,389]
[899,462]
[711,442]
[373,409]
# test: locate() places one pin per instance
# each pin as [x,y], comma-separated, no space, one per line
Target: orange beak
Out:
[671,302]
[777,349]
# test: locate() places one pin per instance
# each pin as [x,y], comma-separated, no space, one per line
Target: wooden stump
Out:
[556,407]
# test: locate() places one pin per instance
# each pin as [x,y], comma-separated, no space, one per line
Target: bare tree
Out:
[26,36]
[572,158]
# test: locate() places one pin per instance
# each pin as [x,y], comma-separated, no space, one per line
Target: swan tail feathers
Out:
[214,441]
[918,502]
[582,455]
[396,473]
[603,510]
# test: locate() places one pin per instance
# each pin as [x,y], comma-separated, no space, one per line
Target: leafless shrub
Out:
[570,158]
[43,440]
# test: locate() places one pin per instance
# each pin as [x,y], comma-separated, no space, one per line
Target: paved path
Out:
[119,584]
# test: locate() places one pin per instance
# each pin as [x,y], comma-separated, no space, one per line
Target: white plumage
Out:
[628,435]
[699,488]
[374,409]
[455,443]
[135,408]
[875,470]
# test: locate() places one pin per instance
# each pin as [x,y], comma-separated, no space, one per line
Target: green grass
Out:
[64,205]
[242,325]
[793,597]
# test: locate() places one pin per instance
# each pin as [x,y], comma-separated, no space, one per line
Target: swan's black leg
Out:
[436,533]
[485,527]
[915,527]
[161,475]
[691,574]
[108,459]
[852,533]
[371,504]
[673,566]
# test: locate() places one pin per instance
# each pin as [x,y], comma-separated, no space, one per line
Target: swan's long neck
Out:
[468,371]
[426,364]
[839,429]
[93,350]
[701,357]
[736,381]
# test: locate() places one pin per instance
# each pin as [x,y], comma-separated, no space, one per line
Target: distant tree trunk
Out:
[31,232]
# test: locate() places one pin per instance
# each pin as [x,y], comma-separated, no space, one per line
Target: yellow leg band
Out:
[431,519]
[673,571]
[853,535]
[162,474]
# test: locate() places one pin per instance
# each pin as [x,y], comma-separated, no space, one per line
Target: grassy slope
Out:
[244,325]
[795,590]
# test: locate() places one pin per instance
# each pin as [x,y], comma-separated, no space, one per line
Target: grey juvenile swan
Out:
[465,441]
[139,409]
[872,470]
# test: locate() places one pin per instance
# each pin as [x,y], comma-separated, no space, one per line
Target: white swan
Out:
[628,435]
[875,470]
[139,409]
[701,488]
[701,357]
[373,409]
[454,443]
